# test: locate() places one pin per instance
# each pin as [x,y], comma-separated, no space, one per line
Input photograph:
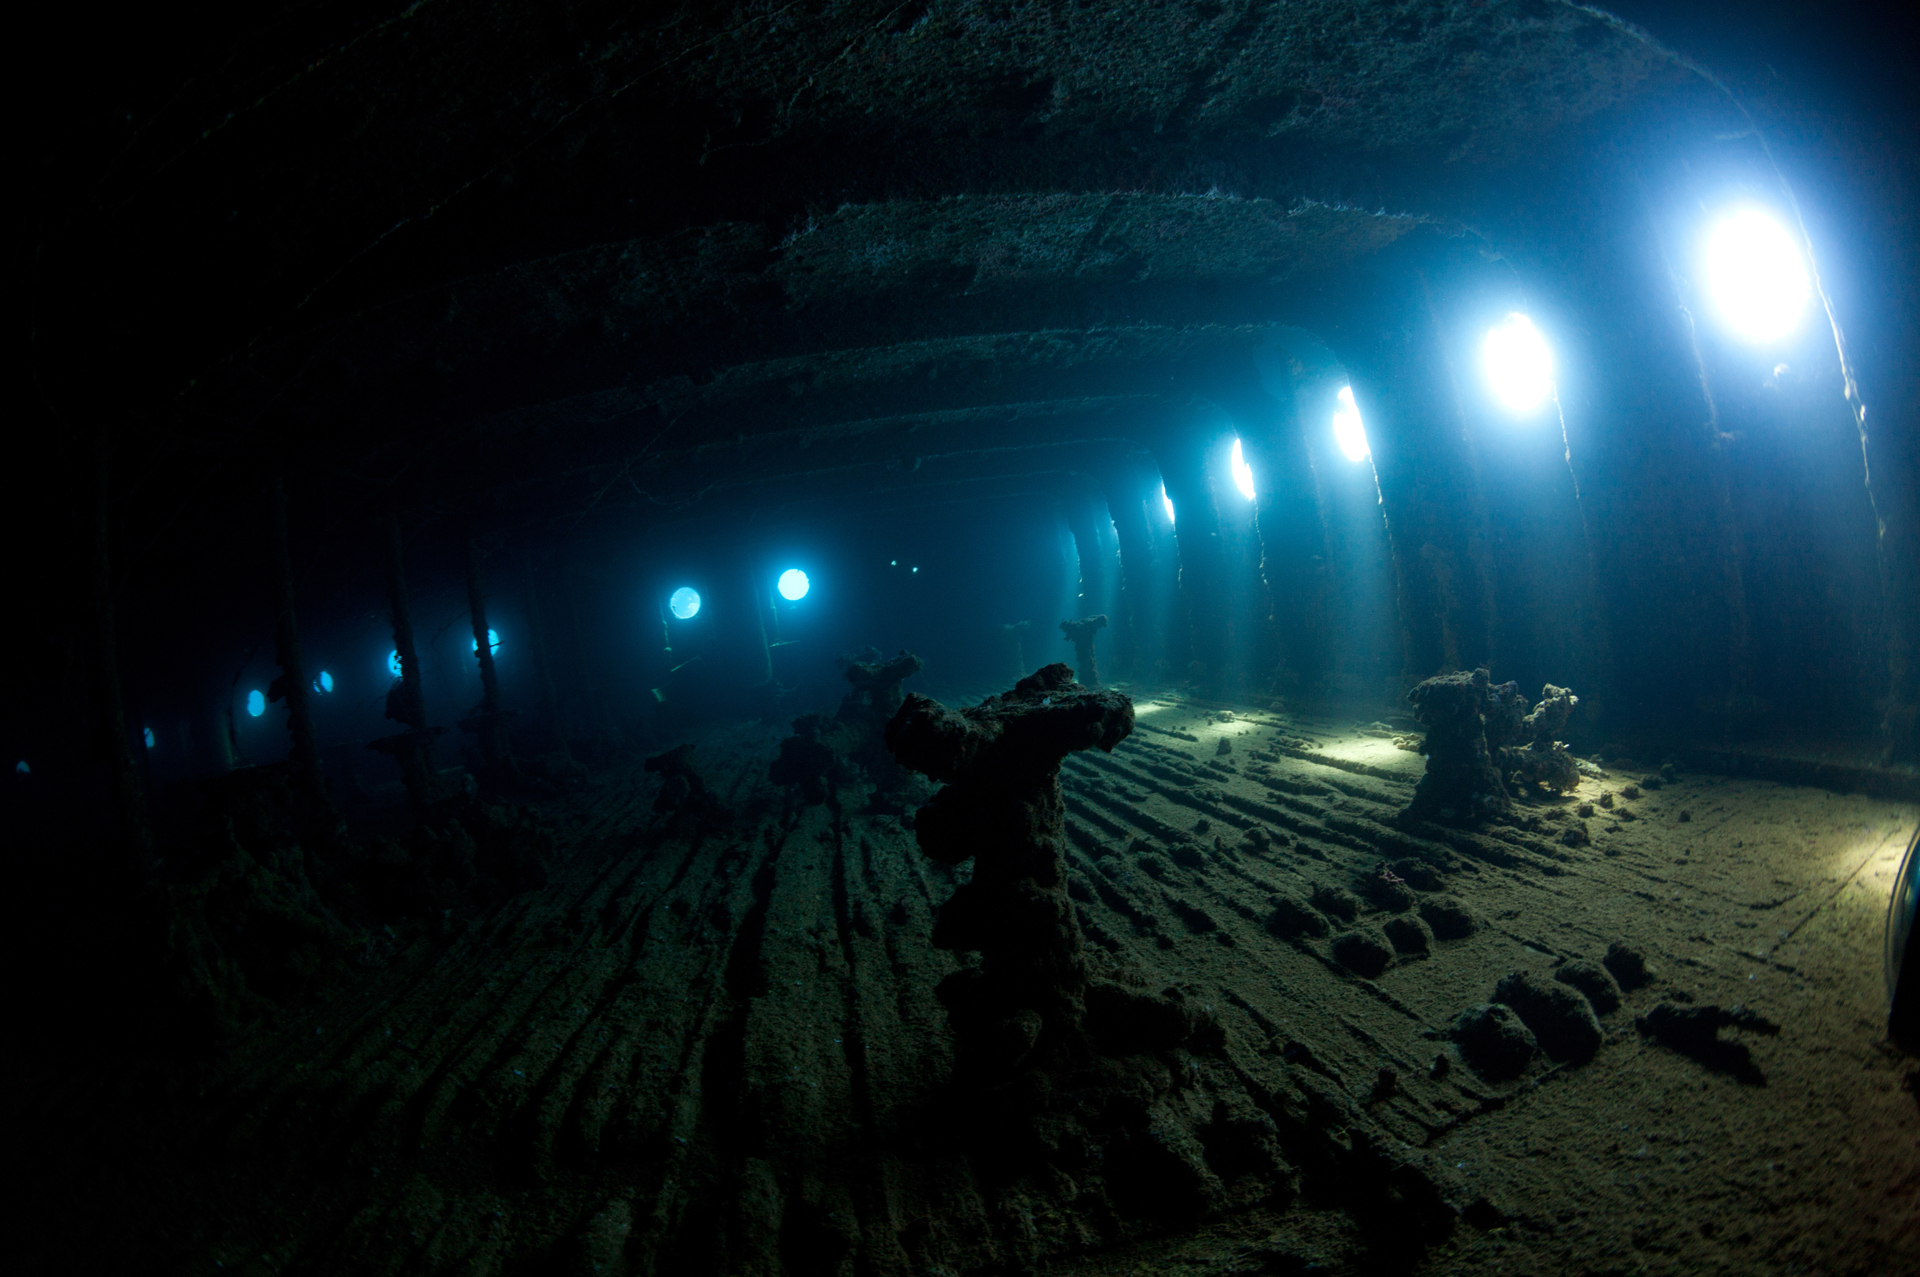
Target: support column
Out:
[1136,635]
[412,748]
[134,842]
[543,666]
[487,722]
[1080,509]
[291,685]
[1290,525]
[1196,530]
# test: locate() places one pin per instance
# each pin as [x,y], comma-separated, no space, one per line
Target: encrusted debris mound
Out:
[1485,745]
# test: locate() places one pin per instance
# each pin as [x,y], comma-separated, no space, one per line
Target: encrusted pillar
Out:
[1080,633]
[1001,806]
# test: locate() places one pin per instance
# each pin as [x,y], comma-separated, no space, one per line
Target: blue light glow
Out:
[1166,501]
[1758,280]
[1347,430]
[1519,364]
[794,585]
[146,734]
[1242,472]
[393,663]
[324,683]
[493,642]
[256,703]
[22,769]
[685,602]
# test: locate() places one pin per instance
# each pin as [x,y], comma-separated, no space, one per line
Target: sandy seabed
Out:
[720,1052]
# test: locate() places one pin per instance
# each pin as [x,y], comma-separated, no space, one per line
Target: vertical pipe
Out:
[293,677]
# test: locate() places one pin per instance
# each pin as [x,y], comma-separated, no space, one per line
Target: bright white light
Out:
[146,734]
[794,585]
[1242,472]
[1347,430]
[1519,365]
[916,569]
[684,602]
[393,663]
[324,683]
[493,642]
[256,703]
[1167,501]
[1756,275]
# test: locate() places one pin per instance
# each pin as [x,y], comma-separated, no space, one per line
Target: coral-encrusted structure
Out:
[1461,782]
[827,752]
[1475,759]
[1544,761]
[1080,633]
[1001,807]
[682,792]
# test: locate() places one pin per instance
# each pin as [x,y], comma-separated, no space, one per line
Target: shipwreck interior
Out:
[935,637]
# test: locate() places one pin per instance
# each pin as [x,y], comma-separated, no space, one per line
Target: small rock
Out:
[1291,919]
[1225,746]
[1448,918]
[1418,874]
[1631,791]
[1387,891]
[1495,1041]
[1362,952]
[1593,980]
[1441,1066]
[1385,1083]
[1407,934]
[1576,835]
[1685,816]
[1561,1018]
[1584,809]
[1627,965]
[1606,800]
[1335,902]
[1651,782]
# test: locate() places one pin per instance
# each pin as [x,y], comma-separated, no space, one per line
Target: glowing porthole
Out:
[1347,430]
[493,642]
[256,703]
[794,585]
[1242,473]
[684,603]
[393,663]
[1167,501]
[324,683]
[1756,276]
[146,734]
[1519,364]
